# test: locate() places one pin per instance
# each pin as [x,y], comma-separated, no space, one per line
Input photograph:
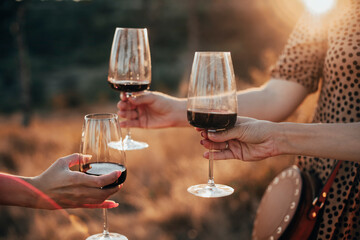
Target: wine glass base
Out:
[207,191]
[110,236]
[116,145]
[130,144]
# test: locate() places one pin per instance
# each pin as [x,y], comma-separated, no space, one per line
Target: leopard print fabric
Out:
[323,52]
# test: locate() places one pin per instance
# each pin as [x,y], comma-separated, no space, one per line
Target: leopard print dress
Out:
[323,51]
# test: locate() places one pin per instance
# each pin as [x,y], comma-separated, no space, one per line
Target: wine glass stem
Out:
[128,134]
[211,182]
[128,116]
[106,227]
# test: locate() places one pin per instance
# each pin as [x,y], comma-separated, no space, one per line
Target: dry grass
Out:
[154,203]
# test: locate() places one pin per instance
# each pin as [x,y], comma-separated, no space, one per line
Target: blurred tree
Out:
[24,66]
[67,44]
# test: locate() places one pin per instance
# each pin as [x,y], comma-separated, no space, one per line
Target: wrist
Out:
[180,117]
[281,138]
[31,198]
[277,138]
[36,197]
[290,137]
[34,182]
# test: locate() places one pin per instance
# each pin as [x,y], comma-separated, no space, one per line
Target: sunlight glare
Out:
[319,6]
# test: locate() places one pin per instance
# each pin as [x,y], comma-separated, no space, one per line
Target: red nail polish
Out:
[113,205]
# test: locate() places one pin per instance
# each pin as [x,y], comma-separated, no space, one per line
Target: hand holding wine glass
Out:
[58,187]
[153,110]
[101,137]
[130,69]
[212,105]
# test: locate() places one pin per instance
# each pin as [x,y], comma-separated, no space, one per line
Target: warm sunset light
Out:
[110,67]
[319,6]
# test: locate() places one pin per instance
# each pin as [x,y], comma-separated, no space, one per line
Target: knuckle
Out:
[99,182]
[122,105]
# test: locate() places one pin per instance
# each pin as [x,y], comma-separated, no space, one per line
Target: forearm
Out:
[339,140]
[257,103]
[179,115]
[19,191]
[274,101]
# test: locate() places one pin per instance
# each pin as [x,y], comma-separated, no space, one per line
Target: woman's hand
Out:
[249,140]
[252,140]
[73,189]
[152,110]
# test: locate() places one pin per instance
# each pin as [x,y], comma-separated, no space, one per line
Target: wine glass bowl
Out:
[130,68]
[101,139]
[212,106]
[102,168]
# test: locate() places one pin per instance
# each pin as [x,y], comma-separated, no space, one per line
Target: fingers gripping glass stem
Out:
[129,143]
[128,115]
[211,182]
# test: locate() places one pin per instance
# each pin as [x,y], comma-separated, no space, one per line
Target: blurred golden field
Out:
[154,203]
[66,73]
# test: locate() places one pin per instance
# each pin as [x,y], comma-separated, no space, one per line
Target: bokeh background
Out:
[53,70]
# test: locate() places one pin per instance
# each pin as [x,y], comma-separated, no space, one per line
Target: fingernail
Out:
[202,134]
[113,205]
[118,173]
[201,142]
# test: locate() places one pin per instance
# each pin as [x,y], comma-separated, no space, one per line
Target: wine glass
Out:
[212,105]
[130,69]
[101,137]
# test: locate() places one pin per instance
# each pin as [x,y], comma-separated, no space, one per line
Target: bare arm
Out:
[336,140]
[274,101]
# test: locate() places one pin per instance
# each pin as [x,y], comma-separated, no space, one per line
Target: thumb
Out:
[144,98]
[223,136]
[233,133]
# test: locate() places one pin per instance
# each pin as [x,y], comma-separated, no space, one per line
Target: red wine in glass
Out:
[129,86]
[211,120]
[103,168]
